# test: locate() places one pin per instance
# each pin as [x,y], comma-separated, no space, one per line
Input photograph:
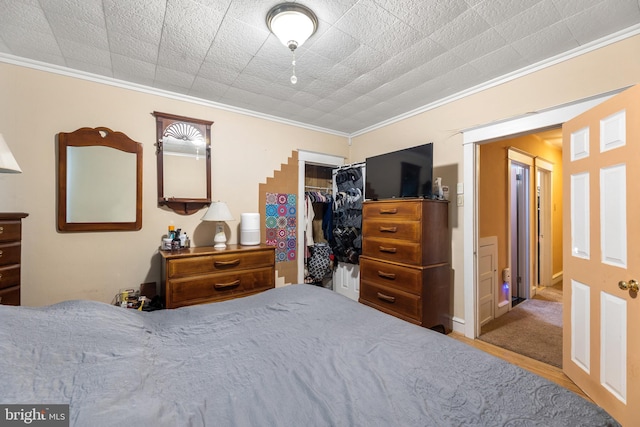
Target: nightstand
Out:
[204,274]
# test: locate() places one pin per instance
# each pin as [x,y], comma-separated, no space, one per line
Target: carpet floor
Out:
[533,328]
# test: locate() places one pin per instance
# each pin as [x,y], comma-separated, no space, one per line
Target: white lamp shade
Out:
[218,211]
[8,163]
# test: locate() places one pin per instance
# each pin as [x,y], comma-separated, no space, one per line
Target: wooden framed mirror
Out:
[184,162]
[99,181]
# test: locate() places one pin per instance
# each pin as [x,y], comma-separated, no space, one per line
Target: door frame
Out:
[472,138]
[319,159]
[544,226]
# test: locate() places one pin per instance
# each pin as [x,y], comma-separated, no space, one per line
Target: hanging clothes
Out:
[346,242]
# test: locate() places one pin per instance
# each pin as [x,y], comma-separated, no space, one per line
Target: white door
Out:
[601,179]
[488,280]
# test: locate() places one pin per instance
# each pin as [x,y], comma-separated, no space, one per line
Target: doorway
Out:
[520,232]
[472,138]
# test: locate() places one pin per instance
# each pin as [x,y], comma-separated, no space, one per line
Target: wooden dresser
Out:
[405,267]
[10,254]
[204,274]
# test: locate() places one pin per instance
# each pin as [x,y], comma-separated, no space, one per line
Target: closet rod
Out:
[316,187]
[352,165]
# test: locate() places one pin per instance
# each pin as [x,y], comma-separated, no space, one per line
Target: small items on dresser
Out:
[175,239]
[10,255]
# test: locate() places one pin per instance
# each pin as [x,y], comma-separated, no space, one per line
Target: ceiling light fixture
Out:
[293,24]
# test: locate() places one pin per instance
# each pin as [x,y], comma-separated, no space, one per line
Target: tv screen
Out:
[404,173]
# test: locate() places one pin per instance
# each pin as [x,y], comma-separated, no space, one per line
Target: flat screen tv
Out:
[404,173]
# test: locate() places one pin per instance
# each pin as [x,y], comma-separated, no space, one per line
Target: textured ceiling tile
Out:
[124,66]
[306,99]
[266,69]
[190,27]
[498,62]
[174,78]
[252,12]
[426,16]
[568,8]
[250,83]
[142,19]
[538,16]
[335,45]
[72,50]
[546,43]
[208,89]
[311,65]
[397,38]
[366,21]
[64,27]
[603,19]
[497,11]
[281,90]
[364,83]
[464,27]
[89,11]
[181,61]
[21,40]
[89,67]
[237,36]
[218,73]
[364,59]
[480,45]
[330,11]
[128,45]
[340,76]
[21,14]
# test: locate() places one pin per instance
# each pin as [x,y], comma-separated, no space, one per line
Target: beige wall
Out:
[36,105]
[493,197]
[597,72]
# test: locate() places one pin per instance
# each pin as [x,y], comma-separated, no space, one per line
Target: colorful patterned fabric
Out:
[281,224]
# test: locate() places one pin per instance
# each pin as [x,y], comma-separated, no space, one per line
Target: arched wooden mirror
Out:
[184,162]
[99,181]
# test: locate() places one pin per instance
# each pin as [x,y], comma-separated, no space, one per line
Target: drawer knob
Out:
[227,263]
[1,230]
[391,211]
[390,276]
[388,250]
[226,285]
[387,298]
[0,253]
[388,229]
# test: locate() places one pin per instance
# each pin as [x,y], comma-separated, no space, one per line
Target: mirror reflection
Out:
[94,192]
[184,162]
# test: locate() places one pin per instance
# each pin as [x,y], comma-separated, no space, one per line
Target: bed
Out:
[299,355]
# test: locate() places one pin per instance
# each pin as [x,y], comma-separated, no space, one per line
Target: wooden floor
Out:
[546,371]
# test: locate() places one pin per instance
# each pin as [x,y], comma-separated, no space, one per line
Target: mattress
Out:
[291,356]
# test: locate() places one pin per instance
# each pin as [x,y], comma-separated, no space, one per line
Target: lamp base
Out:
[220,239]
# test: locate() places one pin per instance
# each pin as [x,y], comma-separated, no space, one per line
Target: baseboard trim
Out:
[556,278]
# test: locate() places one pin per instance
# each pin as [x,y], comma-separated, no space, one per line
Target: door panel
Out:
[601,170]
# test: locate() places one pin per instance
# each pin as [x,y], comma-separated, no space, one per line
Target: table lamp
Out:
[218,211]
[8,163]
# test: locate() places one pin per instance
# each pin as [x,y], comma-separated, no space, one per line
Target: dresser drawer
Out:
[10,253]
[402,210]
[9,276]
[391,275]
[10,231]
[395,302]
[401,230]
[188,266]
[217,287]
[392,250]
[10,296]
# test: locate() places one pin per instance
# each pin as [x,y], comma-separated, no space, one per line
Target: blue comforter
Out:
[294,356]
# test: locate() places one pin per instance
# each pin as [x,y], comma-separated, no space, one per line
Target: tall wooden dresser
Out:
[203,274]
[405,267]
[10,255]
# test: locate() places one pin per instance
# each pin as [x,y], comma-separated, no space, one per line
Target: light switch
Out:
[460,199]
[460,188]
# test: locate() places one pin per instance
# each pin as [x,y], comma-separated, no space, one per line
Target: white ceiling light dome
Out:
[292,23]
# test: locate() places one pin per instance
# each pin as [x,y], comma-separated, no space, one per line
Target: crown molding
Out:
[96,78]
